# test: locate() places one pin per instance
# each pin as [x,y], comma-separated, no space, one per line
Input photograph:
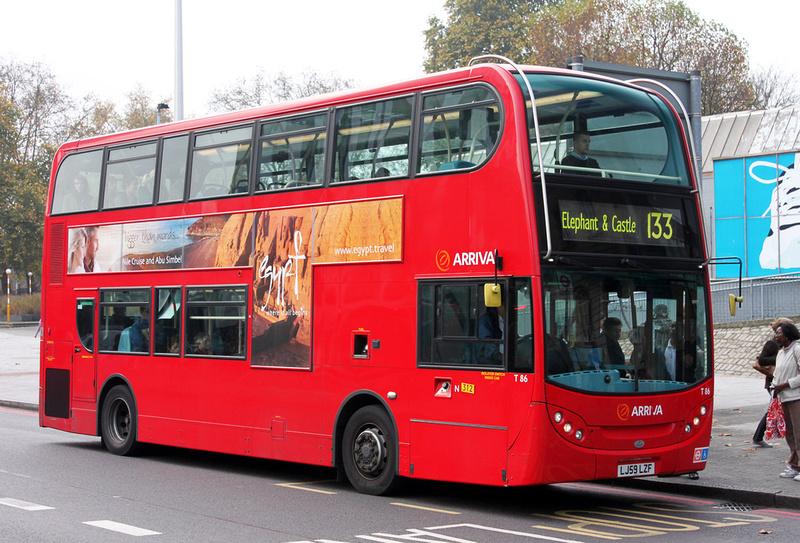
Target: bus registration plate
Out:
[636,470]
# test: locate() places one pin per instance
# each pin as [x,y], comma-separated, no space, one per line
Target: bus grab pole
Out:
[535,121]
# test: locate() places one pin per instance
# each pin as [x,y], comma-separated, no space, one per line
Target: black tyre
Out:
[369,451]
[118,422]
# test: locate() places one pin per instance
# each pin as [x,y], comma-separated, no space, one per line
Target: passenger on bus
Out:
[140,331]
[79,198]
[491,326]
[677,355]
[580,154]
[202,344]
[609,341]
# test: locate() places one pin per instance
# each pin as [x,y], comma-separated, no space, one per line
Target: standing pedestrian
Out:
[786,383]
[765,363]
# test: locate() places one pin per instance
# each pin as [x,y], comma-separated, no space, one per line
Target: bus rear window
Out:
[77,185]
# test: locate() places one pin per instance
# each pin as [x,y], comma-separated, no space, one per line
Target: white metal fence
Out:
[764,298]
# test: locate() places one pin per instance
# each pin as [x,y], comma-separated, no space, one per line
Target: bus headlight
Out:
[688,428]
[570,426]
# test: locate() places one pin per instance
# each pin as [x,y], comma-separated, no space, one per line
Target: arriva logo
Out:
[443,260]
[624,411]
[471,258]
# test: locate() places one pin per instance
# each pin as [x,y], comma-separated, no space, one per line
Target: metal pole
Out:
[178,60]
[8,295]
[30,283]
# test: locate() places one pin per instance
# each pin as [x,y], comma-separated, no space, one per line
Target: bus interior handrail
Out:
[606,171]
[535,122]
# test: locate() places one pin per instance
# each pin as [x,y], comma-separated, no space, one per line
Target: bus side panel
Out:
[84,418]
[455,453]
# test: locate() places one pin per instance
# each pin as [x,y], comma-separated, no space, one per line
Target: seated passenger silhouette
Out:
[580,155]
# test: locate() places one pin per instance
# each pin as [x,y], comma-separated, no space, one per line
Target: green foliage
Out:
[478,27]
[658,34]
[140,111]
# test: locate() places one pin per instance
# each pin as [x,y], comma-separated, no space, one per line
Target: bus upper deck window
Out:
[372,140]
[460,129]
[77,185]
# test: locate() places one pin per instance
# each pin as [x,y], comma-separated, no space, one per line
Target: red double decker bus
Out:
[429,280]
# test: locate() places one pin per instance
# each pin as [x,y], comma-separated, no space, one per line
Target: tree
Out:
[263,89]
[774,88]
[92,118]
[33,110]
[41,104]
[658,34]
[141,110]
[22,195]
[478,27]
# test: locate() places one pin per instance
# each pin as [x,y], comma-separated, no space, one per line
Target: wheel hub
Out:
[370,452]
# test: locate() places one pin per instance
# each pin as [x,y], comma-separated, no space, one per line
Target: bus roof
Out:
[308,104]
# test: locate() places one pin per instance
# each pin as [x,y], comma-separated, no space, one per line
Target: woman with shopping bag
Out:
[786,382]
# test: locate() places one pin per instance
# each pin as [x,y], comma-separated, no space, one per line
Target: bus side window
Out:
[215,321]
[173,169]
[167,322]
[77,186]
[455,328]
[220,163]
[373,140]
[129,176]
[292,153]
[460,129]
[124,320]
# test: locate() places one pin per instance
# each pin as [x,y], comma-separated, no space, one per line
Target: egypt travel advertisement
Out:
[281,246]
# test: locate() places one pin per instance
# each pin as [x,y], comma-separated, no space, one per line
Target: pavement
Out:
[737,472]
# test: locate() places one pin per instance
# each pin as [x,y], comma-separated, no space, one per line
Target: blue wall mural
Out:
[757,214]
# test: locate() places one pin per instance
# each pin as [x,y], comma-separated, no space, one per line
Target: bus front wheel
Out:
[118,422]
[369,452]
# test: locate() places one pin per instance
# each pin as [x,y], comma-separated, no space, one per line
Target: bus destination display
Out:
[620,223]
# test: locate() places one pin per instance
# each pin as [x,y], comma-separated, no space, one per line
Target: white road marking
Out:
[121,528]
[27,506]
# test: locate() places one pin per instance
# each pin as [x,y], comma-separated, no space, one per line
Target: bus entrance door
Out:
[84,363]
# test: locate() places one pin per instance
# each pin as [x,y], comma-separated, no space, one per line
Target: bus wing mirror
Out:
[491,295]
[732,301]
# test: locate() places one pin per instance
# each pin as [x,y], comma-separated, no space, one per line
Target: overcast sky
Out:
[108,47]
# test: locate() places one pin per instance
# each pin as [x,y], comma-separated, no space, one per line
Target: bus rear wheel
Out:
[118,422]
[369,452]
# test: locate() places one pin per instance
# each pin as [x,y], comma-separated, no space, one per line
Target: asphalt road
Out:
[56,486]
